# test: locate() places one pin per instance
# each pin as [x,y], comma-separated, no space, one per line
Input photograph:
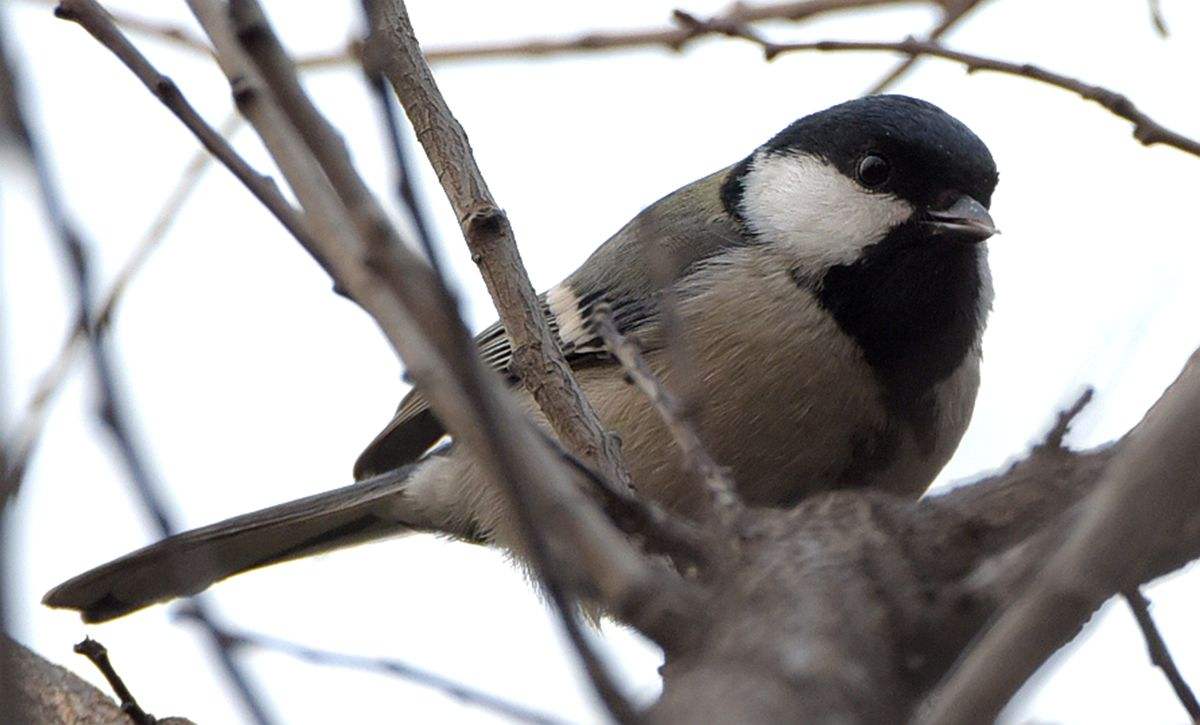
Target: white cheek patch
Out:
[807,204]
[564,305]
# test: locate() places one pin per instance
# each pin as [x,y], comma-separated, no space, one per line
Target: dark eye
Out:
[873,170]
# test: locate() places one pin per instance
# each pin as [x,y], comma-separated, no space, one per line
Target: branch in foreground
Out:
[100,25]
[538,359]
[113,410]
[420,319]
[1160,656]
[1144,504]
[724,502]
[28,431]
[890,592]
[406,192]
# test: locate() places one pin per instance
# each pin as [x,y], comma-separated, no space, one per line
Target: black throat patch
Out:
[911,304]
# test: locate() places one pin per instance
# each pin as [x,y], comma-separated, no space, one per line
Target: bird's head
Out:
[836,182]
[881,206]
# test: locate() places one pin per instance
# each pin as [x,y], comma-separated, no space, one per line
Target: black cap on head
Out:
[929,156]
[930,152]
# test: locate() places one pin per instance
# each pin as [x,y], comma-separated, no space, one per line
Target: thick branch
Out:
[1148,495]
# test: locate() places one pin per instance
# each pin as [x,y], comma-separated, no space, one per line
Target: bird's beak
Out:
[966,220]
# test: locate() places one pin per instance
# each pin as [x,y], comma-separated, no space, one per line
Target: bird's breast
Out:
[785,398]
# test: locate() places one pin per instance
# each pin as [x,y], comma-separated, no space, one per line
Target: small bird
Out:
[830,291]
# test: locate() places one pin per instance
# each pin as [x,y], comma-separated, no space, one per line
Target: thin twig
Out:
[537,355]
[1062,425]
[406,192]
[722,493]
[1145,129]
[1159,22]
[538,359]
[113,410]
[663,533]
[669,37]
[158,30]
[1160,656]
[96,20]
[384,665]
[28,430]
[952,13]
[98,655]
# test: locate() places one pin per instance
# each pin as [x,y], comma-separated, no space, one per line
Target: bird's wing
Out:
[680,230]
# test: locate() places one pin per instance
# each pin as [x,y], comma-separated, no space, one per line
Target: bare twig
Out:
[420,319]
[1160,656]
[953,12]
[113,411]
[537,357]
[544,369]
[661,532]
[1147,495]
[99,24]
[384,665]
[406,192]
[670,37]
[1062,425]
[28,429]
[1159,22]
[158,30]
[723,496]
[1145,129]
[673,37]
[98,655]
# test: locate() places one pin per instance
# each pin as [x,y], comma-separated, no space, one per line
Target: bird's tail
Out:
[188,563]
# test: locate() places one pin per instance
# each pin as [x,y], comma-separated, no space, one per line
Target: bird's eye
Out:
[873,170]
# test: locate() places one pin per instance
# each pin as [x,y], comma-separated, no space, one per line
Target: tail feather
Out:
[188,563]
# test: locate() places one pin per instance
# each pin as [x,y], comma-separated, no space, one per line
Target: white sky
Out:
[253,384]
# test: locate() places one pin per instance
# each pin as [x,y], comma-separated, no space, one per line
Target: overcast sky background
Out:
[253,384]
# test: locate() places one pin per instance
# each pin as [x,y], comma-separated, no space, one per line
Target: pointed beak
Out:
[966,220]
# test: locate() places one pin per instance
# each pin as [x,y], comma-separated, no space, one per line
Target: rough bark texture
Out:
[852,605]
[49,694]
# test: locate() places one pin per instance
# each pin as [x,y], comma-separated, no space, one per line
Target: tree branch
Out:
[98,655]
[28,430]
[1160,656]
[420,319]
[953,12]
[113,411]
[406,192]
[386,666]
[1149,493]
[537,358]
[50,694]
[724,503]
[1145,129]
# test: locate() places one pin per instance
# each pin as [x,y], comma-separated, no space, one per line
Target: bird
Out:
[830,292]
